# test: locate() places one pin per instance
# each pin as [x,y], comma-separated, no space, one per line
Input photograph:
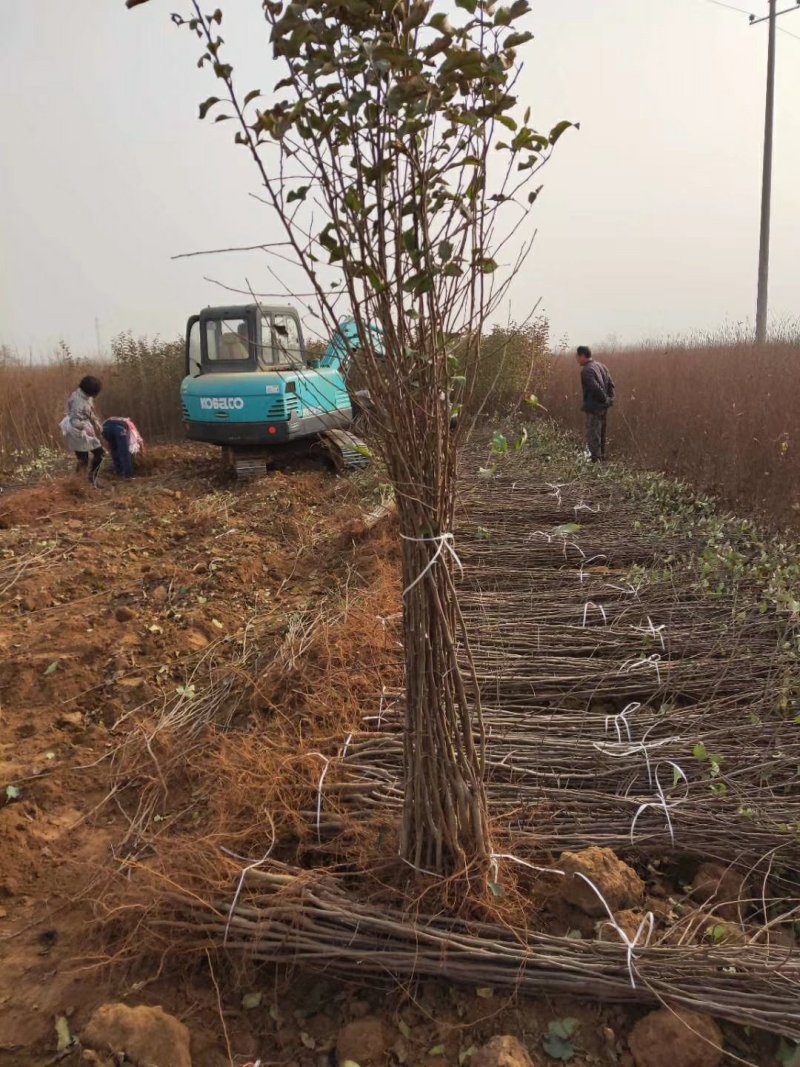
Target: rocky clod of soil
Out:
[628,921]
[364,1042]
[679,1038]
[719,886]
[619,884]
[146,1037]
[502,1051]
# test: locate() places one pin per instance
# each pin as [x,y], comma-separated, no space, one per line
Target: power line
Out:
[744,11]
[754,20]
[730,7]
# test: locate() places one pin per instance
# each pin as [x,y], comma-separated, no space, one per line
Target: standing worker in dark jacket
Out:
[598,396]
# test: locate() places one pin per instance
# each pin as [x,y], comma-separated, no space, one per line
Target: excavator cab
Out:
[237,340]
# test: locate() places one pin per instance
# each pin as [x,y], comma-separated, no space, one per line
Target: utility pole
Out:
[766,181]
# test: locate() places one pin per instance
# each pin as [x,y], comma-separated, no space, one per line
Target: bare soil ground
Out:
[108,599]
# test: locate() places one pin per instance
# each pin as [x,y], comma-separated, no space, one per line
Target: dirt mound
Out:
[720,888]
[617,883]
[45,504]
[147,1037]
[676,1039]
[502,1051]
[365,1042]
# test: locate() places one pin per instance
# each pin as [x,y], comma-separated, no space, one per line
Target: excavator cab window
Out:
[194,355]
[250,338]
[227,341]
[281,342]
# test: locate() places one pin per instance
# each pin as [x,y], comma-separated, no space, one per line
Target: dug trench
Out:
[197,674]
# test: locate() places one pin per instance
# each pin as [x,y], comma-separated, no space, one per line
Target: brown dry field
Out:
[723,418]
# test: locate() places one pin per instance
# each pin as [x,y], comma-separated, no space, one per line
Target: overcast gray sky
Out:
[648,224]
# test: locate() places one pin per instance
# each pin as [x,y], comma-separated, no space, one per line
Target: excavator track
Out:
[249,467]
[248,463]
[347,451]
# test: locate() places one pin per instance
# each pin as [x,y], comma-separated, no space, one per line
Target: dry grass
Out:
[306,681]
[512,362]
[723,417]
[31,404]
[140,378]
[719,413]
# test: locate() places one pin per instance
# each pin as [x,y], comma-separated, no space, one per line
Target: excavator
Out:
[251,388]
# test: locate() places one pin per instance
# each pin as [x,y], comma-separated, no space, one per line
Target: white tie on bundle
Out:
[443,542]
[631,944]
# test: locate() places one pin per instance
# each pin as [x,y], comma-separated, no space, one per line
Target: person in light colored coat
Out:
[82,428]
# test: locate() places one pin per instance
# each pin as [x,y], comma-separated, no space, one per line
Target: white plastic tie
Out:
[444,543]
[523,863]
[622,717]
[662,801]
[651,630]
[586,562]
[383,706]
[319,793]
[627,589]
[631,944]
[572,544]
[245,871]
[652,662]
[346,745]
[597,607]
[632,749]
[581,506]
[420,870]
